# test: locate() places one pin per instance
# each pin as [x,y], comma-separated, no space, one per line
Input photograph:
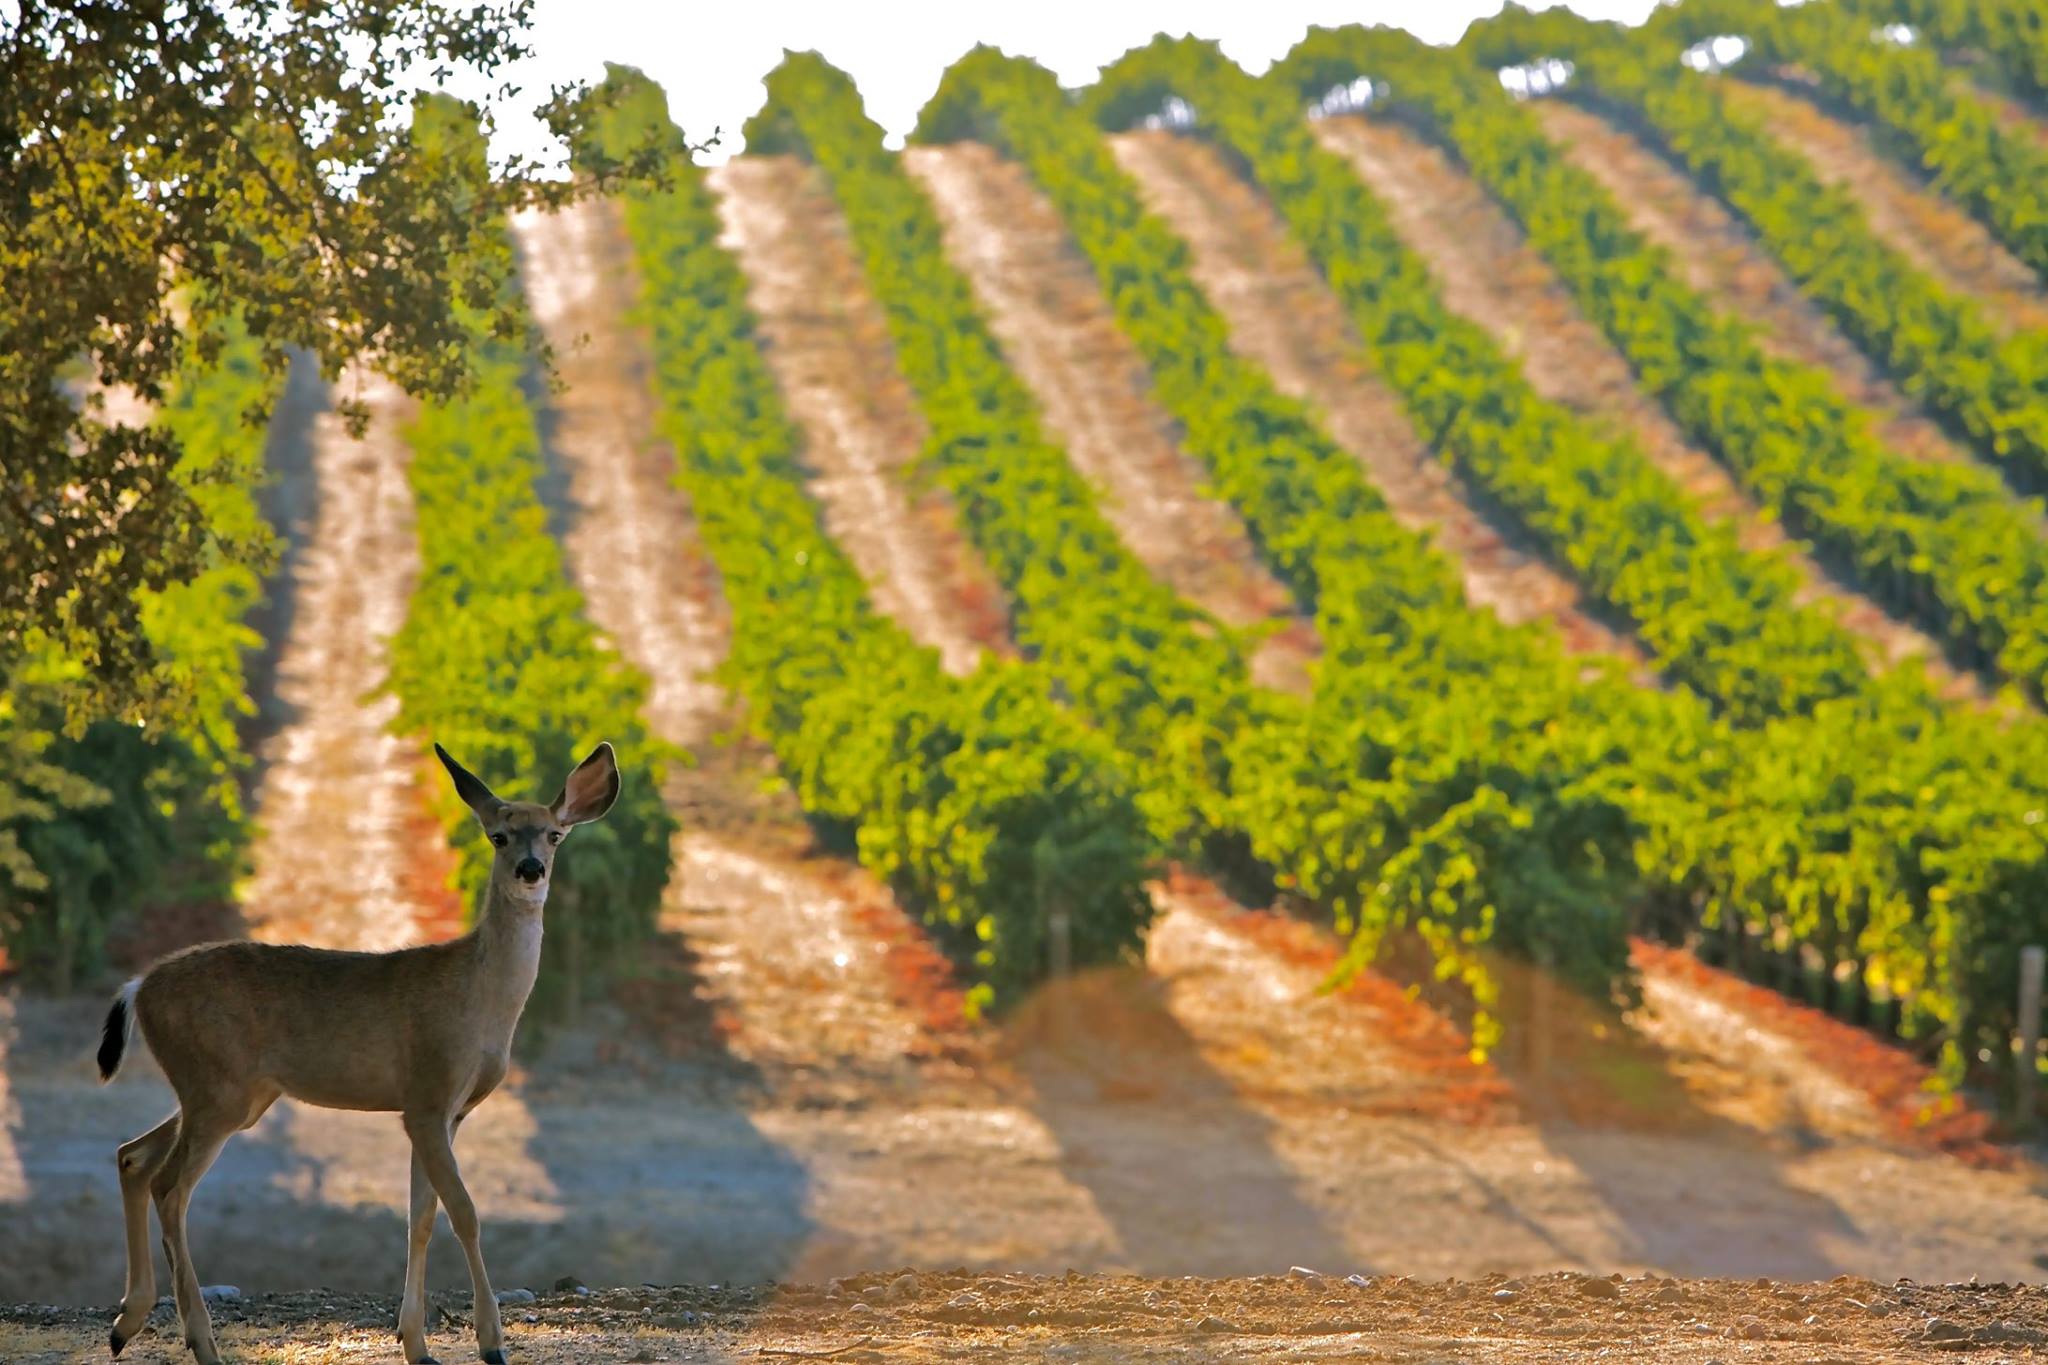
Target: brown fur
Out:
[422,1032]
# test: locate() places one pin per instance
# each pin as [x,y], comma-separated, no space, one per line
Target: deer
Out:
[422,1032]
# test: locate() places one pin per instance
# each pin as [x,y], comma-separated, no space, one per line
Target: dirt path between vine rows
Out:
[1935,234]
[1716,254]
[338,802]
[1489,273]
[1057,331]
[1284,317]
[829,342]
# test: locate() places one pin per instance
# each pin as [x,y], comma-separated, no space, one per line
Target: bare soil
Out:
[828,343]
[1056,329]
[955,1315]
[1717,255]
[338,801]
[626,528]
[1932,232]
[1284,317]
[1490,274]
[1839,1078]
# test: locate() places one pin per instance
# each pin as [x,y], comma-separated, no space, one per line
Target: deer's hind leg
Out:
[207,1124]
[139,1160]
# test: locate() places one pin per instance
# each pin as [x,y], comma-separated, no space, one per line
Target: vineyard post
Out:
[1059,938]
[1052,903]
[2032,959]
[1539,1014]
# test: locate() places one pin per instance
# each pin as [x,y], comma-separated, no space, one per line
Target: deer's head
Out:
[526,833]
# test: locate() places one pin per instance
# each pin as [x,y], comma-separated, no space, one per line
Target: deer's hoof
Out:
[494,1357]
[115,1341]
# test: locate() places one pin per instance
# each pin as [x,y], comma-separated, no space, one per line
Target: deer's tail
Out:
[118,1030]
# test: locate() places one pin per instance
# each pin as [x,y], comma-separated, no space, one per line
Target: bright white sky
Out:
[710,58]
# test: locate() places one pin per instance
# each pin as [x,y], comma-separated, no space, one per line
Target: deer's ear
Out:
[469,787]
[590,790]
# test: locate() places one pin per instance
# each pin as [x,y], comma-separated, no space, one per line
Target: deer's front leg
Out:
[412,1309]
[434,1149]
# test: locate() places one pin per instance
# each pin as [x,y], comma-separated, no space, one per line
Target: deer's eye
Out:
[554,836]
[498,839]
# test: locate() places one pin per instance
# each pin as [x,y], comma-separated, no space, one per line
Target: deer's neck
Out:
[508,944]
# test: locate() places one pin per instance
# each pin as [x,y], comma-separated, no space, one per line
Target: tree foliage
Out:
[162,165]
[124,817]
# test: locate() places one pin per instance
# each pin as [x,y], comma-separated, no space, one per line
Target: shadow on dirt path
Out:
[1733,1212]
[579,1174]
[60,1208]
[1187,1174]
[659,1171]
[1628,1113]
[290,502]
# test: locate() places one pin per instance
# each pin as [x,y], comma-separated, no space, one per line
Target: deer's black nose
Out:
[529,869]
